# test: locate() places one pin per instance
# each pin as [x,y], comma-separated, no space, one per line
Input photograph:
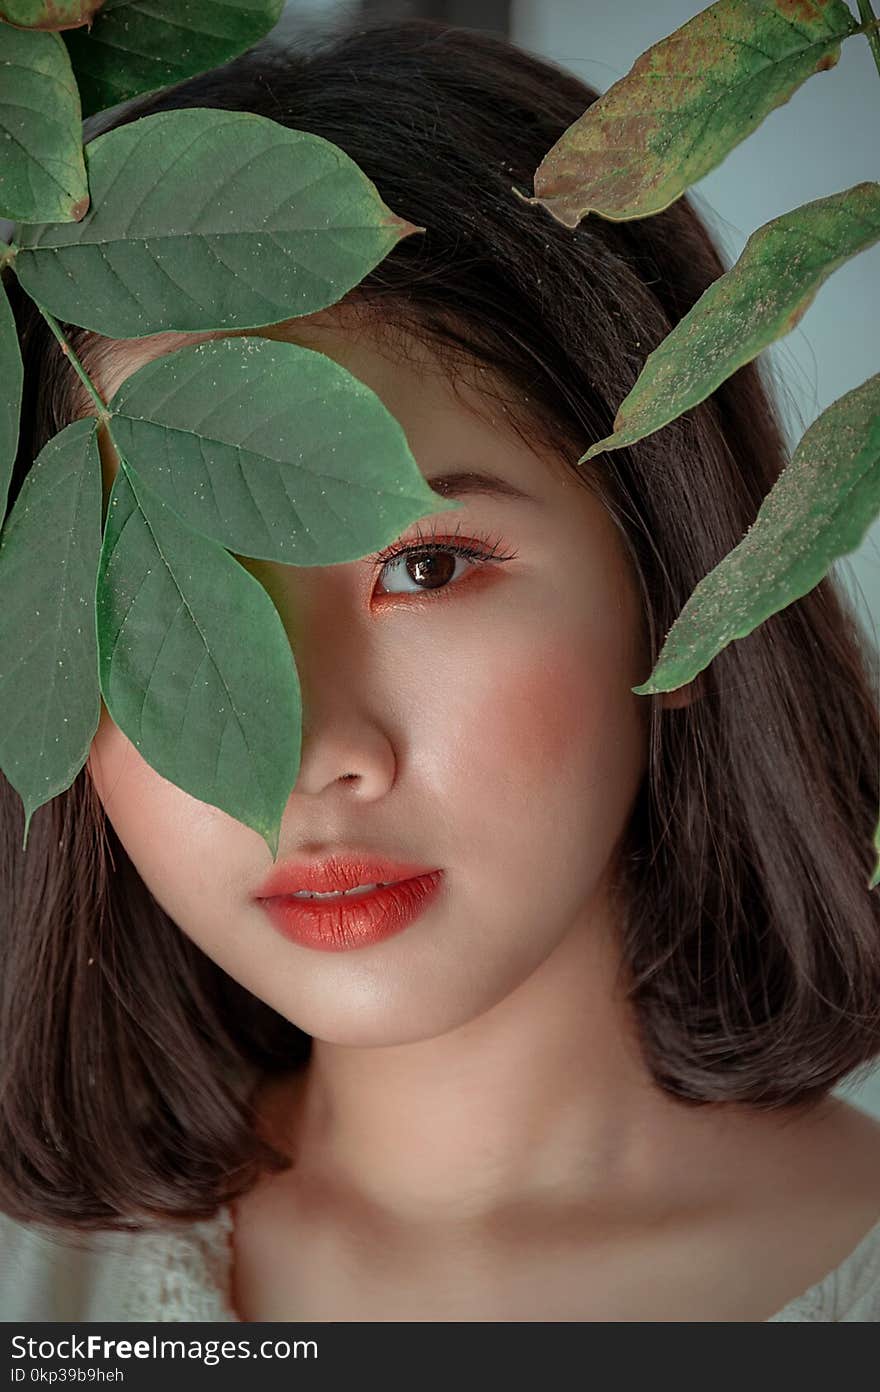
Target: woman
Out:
[589,1076]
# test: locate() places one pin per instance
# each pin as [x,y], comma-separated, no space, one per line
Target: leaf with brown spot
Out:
[685,104]
[49,14]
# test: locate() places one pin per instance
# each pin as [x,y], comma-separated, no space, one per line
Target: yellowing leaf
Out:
[49,14]
[685,104]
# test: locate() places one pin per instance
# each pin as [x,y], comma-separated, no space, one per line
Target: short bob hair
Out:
[750,943]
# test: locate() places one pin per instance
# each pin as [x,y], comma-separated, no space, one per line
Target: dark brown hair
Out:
[751,944]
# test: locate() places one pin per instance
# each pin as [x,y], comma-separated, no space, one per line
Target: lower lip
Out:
[338,925]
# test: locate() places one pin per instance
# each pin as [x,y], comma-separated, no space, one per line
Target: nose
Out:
[346,747]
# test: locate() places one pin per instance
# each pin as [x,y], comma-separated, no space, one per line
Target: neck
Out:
[544,1099]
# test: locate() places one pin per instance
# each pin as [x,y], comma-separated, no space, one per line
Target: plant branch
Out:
[103,413]
[869,28]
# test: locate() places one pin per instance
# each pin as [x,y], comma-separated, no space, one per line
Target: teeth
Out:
[341,894]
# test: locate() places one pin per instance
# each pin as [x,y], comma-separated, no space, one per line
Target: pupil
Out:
[441,561]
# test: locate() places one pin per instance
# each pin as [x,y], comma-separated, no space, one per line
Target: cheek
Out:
[547,778]
[538,716]
[558,714]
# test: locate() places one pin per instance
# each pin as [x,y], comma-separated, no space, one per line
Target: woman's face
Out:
[490,726]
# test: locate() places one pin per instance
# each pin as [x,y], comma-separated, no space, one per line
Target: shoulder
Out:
[842,1173]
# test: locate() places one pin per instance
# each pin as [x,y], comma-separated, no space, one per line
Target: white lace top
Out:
[183,1273]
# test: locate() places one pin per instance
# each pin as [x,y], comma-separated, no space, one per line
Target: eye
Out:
[431,562]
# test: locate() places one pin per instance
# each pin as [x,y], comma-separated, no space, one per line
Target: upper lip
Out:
[337,872]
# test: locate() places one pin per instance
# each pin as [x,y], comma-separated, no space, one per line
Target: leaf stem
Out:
[7,254]
[869,28]
[103,413]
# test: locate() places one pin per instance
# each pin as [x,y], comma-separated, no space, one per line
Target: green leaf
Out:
[42,174]
[819,509]
[685,104]
[11,376]
[205,220]
[273,450]
[195,665]
[140,45]
[760,299]
[49,548]
[49,14]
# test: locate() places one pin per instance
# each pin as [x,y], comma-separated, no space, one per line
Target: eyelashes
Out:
[432,539]
[478,550]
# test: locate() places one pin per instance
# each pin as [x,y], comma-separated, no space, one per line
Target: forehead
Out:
[456,420]
[446,403]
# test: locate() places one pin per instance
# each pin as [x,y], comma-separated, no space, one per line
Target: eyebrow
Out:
[467,481]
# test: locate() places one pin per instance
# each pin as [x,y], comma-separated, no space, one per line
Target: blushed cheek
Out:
[560,717]
[536,720]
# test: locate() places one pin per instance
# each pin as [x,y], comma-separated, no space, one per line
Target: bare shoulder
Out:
[822,1194]
[846,1150]
[804,1193]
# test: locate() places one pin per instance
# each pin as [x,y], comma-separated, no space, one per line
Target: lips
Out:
[338,925]
[339,872]
[352,920]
